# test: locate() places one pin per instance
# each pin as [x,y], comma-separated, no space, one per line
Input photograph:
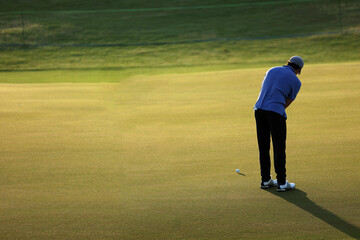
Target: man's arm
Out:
[288,102]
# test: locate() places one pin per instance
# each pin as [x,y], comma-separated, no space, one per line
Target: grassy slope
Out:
[115,64]
[174,25]
[155,158]
[162,26]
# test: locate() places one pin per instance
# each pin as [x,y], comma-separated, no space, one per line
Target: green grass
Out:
[152,60]
[142,142]
[155,157]
[49,26]
[249,20]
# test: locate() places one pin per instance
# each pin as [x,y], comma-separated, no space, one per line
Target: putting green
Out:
[155,158]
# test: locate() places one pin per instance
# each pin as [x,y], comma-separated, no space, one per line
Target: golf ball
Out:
[237,170]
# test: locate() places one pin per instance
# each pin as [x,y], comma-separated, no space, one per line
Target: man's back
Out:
[279,84]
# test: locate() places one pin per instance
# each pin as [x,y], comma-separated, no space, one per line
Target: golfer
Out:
[279,89]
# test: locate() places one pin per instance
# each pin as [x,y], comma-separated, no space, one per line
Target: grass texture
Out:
[154,157]
[182,58]
[72,24]
[279,29]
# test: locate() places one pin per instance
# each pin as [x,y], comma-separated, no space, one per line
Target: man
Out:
[278,91]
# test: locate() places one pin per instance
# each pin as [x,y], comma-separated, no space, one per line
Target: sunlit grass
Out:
[155,158]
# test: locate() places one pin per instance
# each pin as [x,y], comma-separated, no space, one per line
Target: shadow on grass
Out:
[242,174]
[299,199]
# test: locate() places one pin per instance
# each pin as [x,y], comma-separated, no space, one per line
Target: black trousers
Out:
[271,124]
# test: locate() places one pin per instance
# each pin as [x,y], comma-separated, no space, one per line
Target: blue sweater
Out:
[279,83]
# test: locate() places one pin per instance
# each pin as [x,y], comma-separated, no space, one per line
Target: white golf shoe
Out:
[285,187]
[270,183]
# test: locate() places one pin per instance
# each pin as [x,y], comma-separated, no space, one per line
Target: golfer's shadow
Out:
[299,199]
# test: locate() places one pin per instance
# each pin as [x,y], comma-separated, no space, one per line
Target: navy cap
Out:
[297,60]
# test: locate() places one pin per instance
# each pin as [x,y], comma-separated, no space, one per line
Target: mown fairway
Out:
[155,158]
[127,119]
